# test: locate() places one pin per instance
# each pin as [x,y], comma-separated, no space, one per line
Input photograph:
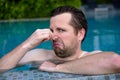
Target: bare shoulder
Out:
[107,52]
[40,53]
[101,53]
[37,55]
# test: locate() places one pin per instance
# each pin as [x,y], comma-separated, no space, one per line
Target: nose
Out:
[54,36]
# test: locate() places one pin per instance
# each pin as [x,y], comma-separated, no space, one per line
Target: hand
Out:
[37,37]
[48,66]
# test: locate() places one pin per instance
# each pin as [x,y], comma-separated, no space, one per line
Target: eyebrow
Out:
[59,28]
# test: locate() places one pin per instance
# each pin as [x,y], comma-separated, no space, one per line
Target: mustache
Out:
[56,40]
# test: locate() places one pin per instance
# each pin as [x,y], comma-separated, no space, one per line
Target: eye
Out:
[61,30]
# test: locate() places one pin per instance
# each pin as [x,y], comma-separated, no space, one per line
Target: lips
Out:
[56,44]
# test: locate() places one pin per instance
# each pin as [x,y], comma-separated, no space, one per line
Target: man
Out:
[68,28]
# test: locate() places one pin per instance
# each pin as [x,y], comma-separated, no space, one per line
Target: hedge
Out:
[18,9]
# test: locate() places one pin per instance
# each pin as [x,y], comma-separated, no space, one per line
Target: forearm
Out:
[102,63]
[11,59]
[14,57]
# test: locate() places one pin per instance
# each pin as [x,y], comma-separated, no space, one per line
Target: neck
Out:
[73,57]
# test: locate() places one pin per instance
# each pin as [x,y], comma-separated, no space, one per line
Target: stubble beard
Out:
[65,51]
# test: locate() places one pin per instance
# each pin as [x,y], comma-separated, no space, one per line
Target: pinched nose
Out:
[54,37]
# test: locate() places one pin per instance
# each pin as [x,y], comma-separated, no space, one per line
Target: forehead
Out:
[60,19]
[63,15]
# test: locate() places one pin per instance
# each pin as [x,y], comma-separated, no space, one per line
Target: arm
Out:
[101,63]
[10,60]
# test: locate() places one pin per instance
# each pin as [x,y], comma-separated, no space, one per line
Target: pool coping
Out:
[22,20]
[36,75]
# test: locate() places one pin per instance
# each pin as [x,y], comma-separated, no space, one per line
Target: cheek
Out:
[66,37]
[69,40]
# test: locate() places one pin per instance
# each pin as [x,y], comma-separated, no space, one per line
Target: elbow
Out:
[115,61]
[111,62]
[5,67]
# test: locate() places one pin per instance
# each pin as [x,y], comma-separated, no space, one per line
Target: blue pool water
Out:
[103,34]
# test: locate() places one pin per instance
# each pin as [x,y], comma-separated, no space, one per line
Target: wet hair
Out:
[78,20]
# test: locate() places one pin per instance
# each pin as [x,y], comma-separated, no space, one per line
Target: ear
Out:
[81,34]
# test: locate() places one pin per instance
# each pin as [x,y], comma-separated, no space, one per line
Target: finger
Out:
[45,37]
[48,31]
[51,34]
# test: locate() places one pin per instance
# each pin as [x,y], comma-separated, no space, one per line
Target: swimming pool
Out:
[103,34]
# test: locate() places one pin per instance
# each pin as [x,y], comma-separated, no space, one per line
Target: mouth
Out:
[57,44]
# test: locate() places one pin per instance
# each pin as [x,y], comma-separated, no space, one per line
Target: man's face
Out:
[65,42]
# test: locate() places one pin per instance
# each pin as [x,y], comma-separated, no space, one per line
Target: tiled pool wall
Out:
[39,75]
